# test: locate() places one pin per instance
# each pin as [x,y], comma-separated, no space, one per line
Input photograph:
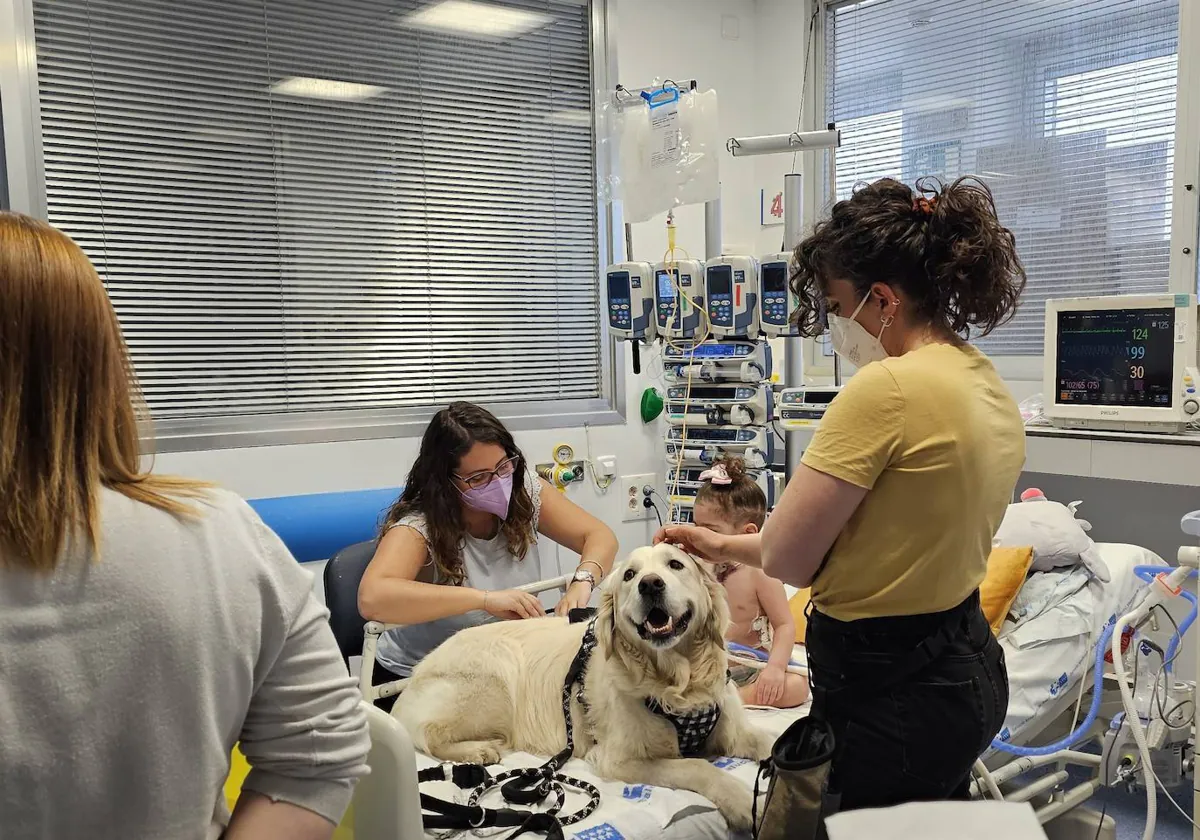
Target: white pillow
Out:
[1057,537]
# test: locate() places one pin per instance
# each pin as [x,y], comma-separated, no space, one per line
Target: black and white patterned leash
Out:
[522,786]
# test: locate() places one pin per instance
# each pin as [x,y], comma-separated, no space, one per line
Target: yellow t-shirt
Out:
[936,439]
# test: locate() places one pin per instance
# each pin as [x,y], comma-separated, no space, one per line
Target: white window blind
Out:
[301,206]
[1066,108]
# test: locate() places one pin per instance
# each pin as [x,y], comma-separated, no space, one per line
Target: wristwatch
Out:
[584,574]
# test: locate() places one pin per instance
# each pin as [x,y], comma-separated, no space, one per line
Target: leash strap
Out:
[523,786]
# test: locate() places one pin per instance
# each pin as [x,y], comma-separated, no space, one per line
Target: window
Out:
[1066,109]
[308,212]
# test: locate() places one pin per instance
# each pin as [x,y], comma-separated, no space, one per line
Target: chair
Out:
[342,575]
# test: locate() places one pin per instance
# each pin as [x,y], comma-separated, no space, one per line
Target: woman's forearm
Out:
[398,601]
[257,817]
[599,551]
[742,548]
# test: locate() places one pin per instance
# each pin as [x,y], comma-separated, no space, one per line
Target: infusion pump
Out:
[705,404]
[776,300]
[702,445]
[803,408]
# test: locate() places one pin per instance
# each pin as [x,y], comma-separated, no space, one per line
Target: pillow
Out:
[798,603]
[1057,537]
[1006,570]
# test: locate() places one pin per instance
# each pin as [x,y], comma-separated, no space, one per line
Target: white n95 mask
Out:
[852,342]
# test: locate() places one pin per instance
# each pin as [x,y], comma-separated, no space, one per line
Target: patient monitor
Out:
[1122,363]
[731,296]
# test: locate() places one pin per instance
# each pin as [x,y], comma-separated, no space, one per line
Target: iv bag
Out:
[667,150]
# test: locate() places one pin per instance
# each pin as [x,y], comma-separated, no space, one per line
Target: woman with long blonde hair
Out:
[147,623]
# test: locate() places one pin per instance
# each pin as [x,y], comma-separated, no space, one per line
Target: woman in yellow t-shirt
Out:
[890,517]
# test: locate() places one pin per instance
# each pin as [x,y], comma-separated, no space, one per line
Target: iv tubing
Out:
[1073,738]
[1148,573]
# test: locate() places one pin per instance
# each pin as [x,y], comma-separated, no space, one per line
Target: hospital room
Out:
[599,419]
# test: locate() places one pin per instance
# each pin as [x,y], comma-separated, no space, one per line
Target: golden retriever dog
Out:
[660,641]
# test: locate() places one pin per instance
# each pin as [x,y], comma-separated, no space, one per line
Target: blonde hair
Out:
[69,402]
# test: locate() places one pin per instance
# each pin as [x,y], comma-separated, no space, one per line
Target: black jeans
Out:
[917,739]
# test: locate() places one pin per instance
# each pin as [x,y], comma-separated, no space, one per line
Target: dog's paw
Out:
[485,755]
[754,744]
[735,802]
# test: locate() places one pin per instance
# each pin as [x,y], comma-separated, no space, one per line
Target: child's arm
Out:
[773,599]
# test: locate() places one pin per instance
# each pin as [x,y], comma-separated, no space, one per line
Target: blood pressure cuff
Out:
[798,796]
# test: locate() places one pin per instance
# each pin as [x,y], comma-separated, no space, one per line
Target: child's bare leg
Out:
[746,692]
[795,691]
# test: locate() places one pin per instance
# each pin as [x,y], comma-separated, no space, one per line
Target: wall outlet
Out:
[632,495]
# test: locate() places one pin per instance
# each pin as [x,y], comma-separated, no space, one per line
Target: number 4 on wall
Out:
[772,207]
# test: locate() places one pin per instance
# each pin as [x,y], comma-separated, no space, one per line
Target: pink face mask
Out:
[492,498]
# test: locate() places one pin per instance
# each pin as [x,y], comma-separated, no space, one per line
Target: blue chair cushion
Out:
[318,525]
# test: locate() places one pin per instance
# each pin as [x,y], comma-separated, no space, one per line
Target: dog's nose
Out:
[651,585]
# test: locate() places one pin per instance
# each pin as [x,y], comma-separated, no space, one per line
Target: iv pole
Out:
[793,224]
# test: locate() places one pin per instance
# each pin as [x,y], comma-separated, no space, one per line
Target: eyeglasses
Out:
[483,478]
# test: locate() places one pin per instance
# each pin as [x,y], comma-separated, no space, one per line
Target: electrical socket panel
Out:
[633,509]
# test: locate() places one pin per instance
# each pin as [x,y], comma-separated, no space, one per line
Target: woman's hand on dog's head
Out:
[701,542]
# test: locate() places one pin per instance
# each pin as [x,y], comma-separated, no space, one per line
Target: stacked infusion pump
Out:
[719,399]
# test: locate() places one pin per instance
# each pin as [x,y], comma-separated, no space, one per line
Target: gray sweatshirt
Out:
[126,679]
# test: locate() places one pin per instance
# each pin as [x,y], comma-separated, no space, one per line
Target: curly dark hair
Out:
[430,490]
[942,245]
[743,498]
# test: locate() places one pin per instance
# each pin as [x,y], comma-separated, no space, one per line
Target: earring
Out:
[887,320]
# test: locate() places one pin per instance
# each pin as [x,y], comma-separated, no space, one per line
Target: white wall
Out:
[656,39]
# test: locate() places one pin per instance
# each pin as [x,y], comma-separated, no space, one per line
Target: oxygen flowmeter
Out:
[631,301]
[777,301]
[731,296]
[678,297]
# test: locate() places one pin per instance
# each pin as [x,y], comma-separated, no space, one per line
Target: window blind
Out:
[302,206]
[1065,108]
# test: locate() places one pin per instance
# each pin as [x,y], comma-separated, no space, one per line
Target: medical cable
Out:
[588,462]
[1093,711]
[1165,586]
[1171,799]
[671,261]
[989,782]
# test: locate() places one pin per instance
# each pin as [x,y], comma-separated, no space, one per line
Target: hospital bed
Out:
[1048,656]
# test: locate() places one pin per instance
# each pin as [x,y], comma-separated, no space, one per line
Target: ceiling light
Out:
[325,88]
[483,20]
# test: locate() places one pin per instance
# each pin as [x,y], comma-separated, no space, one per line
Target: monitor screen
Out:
[774,277]
[666,286]
[720,280]
[618,285]
[1115,357]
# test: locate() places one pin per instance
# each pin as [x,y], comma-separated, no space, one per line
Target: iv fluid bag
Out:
[667,156]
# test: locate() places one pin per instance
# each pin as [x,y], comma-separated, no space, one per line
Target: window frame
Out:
[23,189]
[1184,270]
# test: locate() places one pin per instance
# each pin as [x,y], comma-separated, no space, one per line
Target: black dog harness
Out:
[691,729]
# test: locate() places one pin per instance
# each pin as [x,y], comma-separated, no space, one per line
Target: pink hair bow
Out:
[717,475]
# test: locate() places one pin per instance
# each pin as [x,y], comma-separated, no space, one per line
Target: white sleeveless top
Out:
[487,564]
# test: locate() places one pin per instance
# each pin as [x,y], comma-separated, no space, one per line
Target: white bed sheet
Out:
[639,812]
[1049,655]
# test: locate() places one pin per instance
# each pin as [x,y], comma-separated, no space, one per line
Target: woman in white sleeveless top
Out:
[464,533]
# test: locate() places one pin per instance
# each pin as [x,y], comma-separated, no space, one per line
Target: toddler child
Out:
[731,502]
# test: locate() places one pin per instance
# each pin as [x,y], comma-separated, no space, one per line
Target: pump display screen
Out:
[618,286]
[1117,357]
[774,278]
[720,280]
[666,286]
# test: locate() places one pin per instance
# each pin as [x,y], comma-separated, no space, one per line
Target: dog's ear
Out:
[718,604]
